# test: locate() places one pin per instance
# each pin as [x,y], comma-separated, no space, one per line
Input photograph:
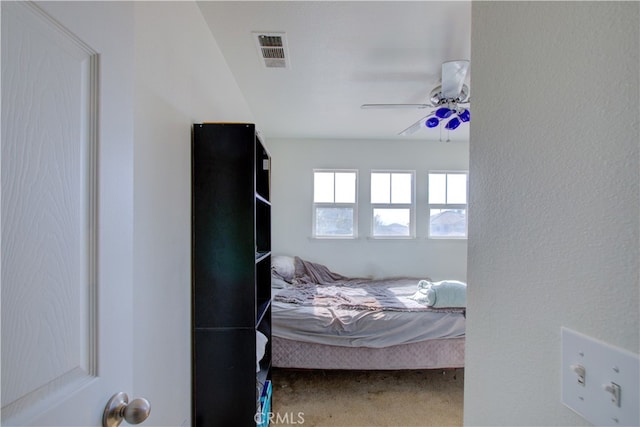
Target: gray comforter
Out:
[315,285]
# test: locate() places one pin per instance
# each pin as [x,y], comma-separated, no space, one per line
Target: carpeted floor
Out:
[312,398]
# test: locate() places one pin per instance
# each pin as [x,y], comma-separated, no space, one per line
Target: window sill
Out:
[447,238]
[391,238]
[333,238]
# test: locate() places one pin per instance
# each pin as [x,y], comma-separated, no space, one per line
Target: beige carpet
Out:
[367,398]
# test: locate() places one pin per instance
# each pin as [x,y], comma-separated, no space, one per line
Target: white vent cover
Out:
[272,48]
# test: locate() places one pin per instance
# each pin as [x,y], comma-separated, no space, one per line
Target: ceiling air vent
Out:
[272,48]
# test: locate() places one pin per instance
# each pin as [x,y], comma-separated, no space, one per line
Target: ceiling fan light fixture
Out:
[452,124]
[444,112]
[444,99]
[431,122]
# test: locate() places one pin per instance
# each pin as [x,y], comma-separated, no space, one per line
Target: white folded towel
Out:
[446,293]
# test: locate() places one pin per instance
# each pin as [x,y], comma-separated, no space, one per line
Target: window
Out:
[334,203]
[392,204]
[448,204]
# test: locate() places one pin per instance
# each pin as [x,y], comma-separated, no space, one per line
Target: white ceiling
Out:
[342,54]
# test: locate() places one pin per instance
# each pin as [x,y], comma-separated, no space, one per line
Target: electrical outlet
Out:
[600,382]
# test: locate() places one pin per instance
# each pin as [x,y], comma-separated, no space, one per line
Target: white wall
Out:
[555,212]
[180,78]
[292,198]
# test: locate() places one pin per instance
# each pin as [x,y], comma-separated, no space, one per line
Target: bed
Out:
[324,320]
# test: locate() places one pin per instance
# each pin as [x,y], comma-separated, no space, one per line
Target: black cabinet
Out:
[231,265]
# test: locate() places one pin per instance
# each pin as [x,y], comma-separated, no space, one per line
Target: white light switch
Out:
[580,373]
[599,381]
[614,389]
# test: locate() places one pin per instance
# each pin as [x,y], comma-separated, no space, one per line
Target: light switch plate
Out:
[605,367]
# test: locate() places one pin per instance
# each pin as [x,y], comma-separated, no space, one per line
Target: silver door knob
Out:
[119,408]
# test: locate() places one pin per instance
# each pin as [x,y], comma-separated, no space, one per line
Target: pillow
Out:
[278,283]
[283,267]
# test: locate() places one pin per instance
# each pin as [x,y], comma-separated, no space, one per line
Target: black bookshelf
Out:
[231,266]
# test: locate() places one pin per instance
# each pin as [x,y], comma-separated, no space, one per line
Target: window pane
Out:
[448,223]
[323,187]
[380,187]
[401,188]
[437,188]
[334,222]
[345,187]
[456,188]
[391,222]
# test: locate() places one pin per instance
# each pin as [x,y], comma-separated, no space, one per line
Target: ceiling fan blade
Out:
[453,75]
[415,127]
[397,106]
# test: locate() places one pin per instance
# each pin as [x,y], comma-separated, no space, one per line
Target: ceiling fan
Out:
[446,100]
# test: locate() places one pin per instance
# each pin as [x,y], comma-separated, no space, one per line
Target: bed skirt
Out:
[431,354]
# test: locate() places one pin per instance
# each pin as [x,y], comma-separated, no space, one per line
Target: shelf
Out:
[262,310]
[262,170]
[263,226]
[231,217]
[262,255]
[262,199]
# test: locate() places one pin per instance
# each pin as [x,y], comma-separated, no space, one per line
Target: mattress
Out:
[328,324]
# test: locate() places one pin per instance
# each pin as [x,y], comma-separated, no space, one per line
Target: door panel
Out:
[66,212]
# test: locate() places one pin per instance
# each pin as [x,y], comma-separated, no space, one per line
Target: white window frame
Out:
[452,206]
[411,206]
[353,206]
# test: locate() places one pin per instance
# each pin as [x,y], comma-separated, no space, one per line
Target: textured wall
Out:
[555,216]
[181,78]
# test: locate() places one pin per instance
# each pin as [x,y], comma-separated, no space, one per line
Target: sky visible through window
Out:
[447,188]
[334,196]
[391,188]
[334,187]
[448,200]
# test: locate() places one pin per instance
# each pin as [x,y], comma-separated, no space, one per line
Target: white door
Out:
[67,185]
